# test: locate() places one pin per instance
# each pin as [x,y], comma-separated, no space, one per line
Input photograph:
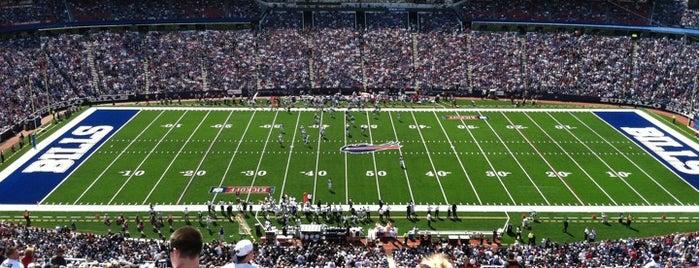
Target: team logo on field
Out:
[363,148]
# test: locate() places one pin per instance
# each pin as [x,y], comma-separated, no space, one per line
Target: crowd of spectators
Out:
[108,10]
[674,13]
[578,11]
[120,250]
[288,55]
[673,250]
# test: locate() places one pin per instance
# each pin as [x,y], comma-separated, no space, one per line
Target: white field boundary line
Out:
[475,110]
[547,162]
[315,172]
[153,150]
[373,156]
[104,171]
[288,160]
[235,153]
[262,155]
[674,134]
[429,156]
[203,158]
[519,164]
[659,209]
[490,164]
[597,156]
[400,151]
[630,161]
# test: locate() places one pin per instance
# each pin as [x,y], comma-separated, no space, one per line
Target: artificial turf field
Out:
[506,160]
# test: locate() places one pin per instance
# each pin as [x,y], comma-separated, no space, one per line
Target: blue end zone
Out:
[37,177]
[672,149]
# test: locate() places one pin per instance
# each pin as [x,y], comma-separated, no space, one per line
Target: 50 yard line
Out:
[373,155]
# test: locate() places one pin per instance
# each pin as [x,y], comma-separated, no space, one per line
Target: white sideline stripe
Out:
[383,109]
[524,170]
[394,207]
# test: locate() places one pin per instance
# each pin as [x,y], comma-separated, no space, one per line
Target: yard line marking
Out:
[126,148]
[315,173]
[373,155]
[570,157]
[235,153]
[630,161]
[458,158]
[146,158]
[548,163]
[203,158]
[514,158]
[596,155]
[446,201]
[400,151]
[490,164]
[344,120]
[288,160]
[262,155]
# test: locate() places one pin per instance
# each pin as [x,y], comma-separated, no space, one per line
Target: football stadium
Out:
[471,133]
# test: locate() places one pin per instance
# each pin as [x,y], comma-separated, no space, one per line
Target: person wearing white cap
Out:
[243,251]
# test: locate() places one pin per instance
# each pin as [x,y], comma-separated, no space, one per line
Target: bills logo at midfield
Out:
[363,148]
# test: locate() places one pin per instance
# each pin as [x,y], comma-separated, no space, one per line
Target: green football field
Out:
[512,158]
